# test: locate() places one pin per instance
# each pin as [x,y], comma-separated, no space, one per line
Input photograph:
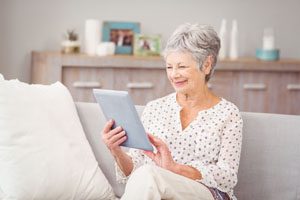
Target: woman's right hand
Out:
[113,137]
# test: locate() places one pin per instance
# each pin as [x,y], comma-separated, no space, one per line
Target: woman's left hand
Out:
[162,157]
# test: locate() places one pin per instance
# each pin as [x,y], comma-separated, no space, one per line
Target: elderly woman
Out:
[197,135]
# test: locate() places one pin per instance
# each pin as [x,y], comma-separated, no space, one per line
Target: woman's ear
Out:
[207,65]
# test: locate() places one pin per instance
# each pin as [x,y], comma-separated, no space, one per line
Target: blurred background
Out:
[39,25]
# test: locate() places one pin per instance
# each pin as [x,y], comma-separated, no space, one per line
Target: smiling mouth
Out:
[179,83]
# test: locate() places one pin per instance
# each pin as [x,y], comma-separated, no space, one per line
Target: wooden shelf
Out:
[241,64]
[253,85]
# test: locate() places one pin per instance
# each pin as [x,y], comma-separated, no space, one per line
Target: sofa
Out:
[270,160]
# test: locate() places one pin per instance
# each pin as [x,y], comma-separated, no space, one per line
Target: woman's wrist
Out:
[175,168]
[187,171]
[116,152]
[124,161]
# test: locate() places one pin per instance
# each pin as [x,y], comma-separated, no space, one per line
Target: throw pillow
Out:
[44,153]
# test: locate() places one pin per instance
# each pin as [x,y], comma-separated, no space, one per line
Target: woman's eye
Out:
[181,67]
[169,67]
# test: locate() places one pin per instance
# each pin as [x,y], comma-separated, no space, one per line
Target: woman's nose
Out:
[174,72]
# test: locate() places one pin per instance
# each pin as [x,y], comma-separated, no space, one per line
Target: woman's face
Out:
[183,72]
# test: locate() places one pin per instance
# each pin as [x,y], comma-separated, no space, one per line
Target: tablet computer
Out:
[117,105]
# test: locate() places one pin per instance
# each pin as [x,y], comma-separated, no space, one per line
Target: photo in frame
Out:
[147,45]
[122,34]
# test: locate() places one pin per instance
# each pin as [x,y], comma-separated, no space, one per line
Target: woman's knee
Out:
[145,170]
[143,176]
[142,182]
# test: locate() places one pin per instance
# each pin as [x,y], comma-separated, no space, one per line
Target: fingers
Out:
[116,137]
[113,138]
[155,140]
[117,140]
[108,125]
[113,132]
[151,137]
[160,145]
[120,141]
[107,135]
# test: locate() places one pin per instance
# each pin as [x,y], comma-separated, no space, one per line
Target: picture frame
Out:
[122,34]
[147,45]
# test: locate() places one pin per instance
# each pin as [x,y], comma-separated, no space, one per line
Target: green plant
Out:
[71,35]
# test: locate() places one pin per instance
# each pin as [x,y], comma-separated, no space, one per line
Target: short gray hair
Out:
[199,40]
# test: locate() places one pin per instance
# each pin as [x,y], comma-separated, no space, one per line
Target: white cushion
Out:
[44,153]
[1,78]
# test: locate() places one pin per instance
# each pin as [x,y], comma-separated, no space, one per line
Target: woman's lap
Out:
[165,185]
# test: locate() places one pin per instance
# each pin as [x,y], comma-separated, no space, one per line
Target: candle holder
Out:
[267,55]
[268,52]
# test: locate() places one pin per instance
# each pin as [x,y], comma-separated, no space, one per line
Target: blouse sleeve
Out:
[138,158]
[223,174]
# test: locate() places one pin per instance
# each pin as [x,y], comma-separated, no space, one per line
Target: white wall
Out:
[39,24]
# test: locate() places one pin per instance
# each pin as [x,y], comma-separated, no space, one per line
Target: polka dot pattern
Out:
[211,143]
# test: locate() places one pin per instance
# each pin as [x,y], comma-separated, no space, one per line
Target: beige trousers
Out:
[155,183]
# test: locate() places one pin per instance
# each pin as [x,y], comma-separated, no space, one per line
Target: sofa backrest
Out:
[270,160]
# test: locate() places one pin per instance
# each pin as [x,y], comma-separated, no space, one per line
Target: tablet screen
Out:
[117,105]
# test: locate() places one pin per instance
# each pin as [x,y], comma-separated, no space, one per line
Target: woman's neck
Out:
[200,98]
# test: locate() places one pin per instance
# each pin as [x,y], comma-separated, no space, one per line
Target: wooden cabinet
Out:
[288,93]
[144,78]
[223,83]
[81,81]
[252,85]
[142,84]
[254,90]
[259,91]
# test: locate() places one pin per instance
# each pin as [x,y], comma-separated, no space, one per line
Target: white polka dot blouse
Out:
[211,143]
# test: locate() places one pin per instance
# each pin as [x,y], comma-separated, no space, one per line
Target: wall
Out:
[39,24]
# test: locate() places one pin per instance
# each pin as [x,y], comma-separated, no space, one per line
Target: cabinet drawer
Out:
[288,93]
[81,81]
[271,92]
[143,85]
[254,91]
[224,84]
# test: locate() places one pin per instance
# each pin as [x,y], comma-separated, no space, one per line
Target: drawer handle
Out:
[254,86]
[293,86]
[87,84]
[142,85]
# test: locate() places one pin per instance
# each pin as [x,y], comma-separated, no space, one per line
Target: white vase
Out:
[92,36]
[234,51]
[223,40]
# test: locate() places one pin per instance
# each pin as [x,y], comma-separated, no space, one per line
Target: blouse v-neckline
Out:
[179,108]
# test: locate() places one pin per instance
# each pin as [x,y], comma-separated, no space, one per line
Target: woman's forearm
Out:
[124,161]
[187,171]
